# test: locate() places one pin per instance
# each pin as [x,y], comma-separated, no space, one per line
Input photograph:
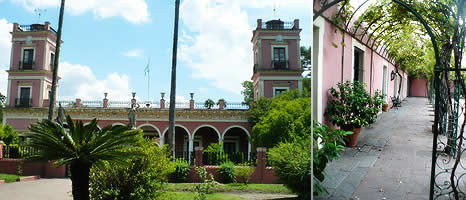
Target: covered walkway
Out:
[392,159]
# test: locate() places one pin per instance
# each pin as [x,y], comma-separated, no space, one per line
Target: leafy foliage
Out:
[243,172]
[181,170]
[81,146]
[332,143]
[141,178]
[248,92]
[292,164]
[8,134]
[226,172]
[352,106]
[209,103]
[207,185]
[280,119]
[215,154]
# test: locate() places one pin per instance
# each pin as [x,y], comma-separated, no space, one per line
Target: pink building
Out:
[277,68]
[337,61]
[277,58]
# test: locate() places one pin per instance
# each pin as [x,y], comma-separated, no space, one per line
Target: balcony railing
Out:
[35,27]
[26,65]
[23,102]
[280,64]
[278,25]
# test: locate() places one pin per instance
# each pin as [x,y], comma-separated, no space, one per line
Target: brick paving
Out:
[391,161]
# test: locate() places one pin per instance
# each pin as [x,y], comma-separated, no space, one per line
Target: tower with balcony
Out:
[277,62]
[31,63]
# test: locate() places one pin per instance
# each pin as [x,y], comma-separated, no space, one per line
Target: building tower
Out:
[277,62]
[31,62]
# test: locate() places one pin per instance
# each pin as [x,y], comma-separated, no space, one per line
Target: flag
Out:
[147,70]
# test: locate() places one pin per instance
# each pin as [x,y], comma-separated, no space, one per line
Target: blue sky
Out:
[107,44]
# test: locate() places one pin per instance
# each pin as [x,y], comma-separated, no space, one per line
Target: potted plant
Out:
[385,107]
[209,103]
[351,107]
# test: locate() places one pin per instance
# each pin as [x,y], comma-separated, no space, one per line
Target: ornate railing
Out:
[23,102]
[217,158]
[278,26]
[17,152]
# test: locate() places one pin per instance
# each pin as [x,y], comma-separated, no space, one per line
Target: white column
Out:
[249,148]
[162,141]
[191,149]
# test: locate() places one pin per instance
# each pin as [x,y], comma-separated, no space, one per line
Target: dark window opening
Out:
[279,91]
[358,65]
[279,58]
[229,147]
[28,59]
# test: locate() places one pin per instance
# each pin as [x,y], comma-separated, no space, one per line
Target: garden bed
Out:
[232,187]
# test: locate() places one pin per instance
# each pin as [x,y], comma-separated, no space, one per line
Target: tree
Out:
[280,119]
[248,92]
[171,114]
[56,61]
[81,146]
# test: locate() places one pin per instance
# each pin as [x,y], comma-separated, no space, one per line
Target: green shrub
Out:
[206,186]
[8,134]
[215,154]
[226,172]
[243,172]
[292,164]
[331,145]
[141,177]
[181,170]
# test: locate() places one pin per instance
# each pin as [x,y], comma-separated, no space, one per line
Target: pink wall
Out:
[332,65]
[268,86]
[35,91]
[418,88]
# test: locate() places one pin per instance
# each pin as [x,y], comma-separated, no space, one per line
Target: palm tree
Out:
[81,146]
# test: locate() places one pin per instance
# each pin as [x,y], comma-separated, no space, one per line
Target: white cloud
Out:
[221,50]
[5,52]
[134,11]
[79,81]
[134,53]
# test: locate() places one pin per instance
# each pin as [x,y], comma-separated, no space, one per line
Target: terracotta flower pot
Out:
[385,107]
[352,140]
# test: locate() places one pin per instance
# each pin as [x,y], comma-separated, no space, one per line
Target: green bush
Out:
[215,154]
[351,106]
[226,172]
[331,143]
[181,170]
[8,134]
[292,164]
[141,177]
[207,185]
[243,172]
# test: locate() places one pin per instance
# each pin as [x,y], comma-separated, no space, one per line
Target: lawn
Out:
[9,177]
[232,187]
[190,196]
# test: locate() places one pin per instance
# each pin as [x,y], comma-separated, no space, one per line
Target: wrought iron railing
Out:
[217,158]
[26,65]
[119,104]
[66,103]
[177,104]
[236,106]
[278,26]
[17,152]
[279,64]
[35,27]
[23,102]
